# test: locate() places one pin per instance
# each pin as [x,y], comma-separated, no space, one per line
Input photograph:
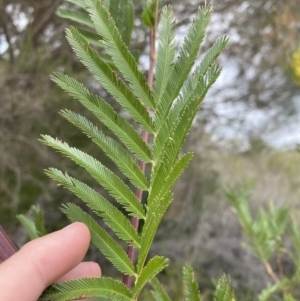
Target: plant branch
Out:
[279,265]
[270,271]
[131,251]
[42,18]
[4,23]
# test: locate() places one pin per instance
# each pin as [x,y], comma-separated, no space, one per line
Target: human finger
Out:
[42,261]
[84,269]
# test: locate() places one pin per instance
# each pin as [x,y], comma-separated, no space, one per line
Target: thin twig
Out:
[131,251]
[270,272]
[279,265]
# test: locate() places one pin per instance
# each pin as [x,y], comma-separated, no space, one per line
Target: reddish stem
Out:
[7,248]
[131,251]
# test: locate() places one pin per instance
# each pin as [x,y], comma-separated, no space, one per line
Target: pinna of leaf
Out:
[174,100]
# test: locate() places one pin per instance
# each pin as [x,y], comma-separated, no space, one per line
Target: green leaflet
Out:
[88,287]
[192,87]
[105,113]
[113,8]
[29,226]
[195,86]
[174,143]
[114,185]
[191,290]
[180,120]
[122,12]
[207,61]
[223,291]
[112,216]
[159,293]
[153,267]
[92,38]
[111,148]
[167,129]
[74,15]
[182,67]
[165,53]
[38,218]
[149,13]
[154,216]
[108,79]
[34,227]
[166,178]
[101,239]
[119,52]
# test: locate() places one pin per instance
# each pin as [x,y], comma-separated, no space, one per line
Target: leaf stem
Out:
[131,251]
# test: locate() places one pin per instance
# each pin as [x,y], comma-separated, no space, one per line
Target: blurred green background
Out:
[247,130]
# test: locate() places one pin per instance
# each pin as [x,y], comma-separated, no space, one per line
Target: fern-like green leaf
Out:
[119,52]
[166,178]
[154,216]
[182,67]
[191,86]
[88,287]
[108,79]
[92,38]
[198,84]
[174,102]
[74,15]
[165,53]
[223,291]
[122,12]
[105,113]
[101,239]
[114,185]
[191,290]
[175,115]
[153,268]
[111,148]
[113,217]
[174,143]
[159,293]
[210,56]
[180,121]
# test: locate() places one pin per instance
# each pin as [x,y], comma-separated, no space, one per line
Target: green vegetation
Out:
[199,227]
[174,103]
[273,238]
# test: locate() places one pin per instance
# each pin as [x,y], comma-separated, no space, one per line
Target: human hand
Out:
[53,258]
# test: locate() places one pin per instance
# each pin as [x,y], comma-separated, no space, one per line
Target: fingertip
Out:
[44,260]
[81,230]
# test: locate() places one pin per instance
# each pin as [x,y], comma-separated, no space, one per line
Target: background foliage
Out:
[200,227]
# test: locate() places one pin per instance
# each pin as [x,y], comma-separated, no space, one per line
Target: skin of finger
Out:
[84,269]
[42,261]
